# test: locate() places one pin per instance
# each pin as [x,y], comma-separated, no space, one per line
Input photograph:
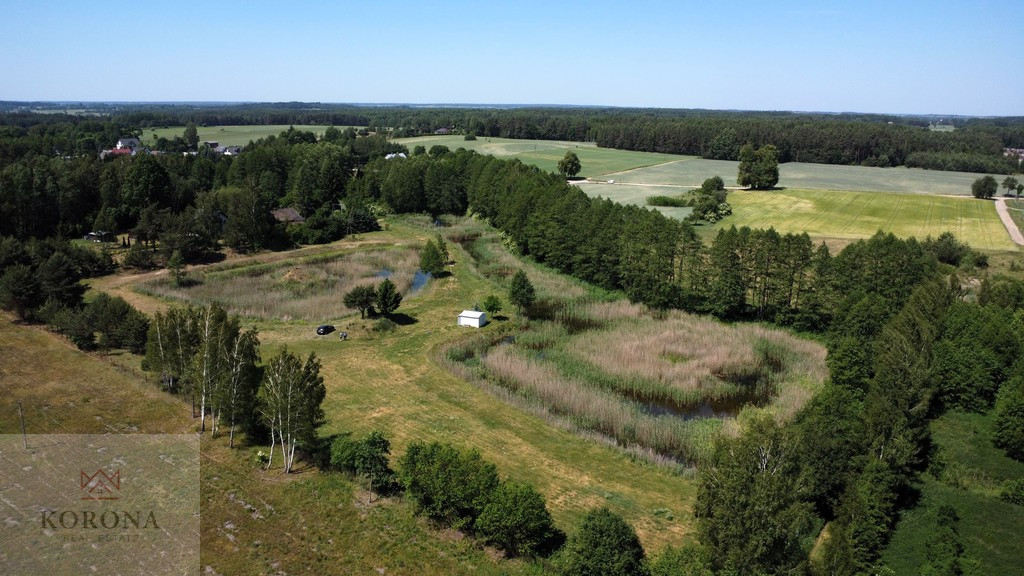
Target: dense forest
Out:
[906,341]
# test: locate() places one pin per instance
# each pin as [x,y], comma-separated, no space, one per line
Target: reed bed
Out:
[310,289]
[609,369]
[687,357]
[605,413]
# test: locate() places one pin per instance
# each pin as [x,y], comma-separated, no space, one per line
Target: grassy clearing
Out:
[989,528]
[545,154]
[852,215]
[64,390]
[309,288]
[229,135]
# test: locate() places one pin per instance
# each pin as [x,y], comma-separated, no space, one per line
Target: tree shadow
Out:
[499,318]
[211,257]
[401,319]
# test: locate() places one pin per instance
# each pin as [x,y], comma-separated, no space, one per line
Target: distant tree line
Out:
[861,139]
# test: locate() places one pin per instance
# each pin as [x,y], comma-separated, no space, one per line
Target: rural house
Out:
[128,143]
[287,215]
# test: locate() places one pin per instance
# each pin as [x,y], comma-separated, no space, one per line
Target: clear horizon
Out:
[915,58]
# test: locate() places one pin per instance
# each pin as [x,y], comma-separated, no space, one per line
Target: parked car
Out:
[324,329]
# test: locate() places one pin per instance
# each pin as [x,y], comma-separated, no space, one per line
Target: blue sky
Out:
[867,56]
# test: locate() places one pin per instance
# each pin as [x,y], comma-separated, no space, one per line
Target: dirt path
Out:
[1011,226]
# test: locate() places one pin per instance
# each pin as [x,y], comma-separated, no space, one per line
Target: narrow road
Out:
[1011,226]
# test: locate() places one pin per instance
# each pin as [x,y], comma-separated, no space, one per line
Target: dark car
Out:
[324,329]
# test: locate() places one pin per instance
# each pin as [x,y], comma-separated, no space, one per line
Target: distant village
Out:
[133,146]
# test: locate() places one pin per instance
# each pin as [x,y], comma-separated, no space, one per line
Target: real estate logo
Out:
[101,486]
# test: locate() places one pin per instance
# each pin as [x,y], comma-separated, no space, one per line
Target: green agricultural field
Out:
[638,194]
[545,154]
[228,135]
[690,171]
[833,203]
[850,215]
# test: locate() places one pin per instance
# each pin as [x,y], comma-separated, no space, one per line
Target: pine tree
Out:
[521,293]
[388,297]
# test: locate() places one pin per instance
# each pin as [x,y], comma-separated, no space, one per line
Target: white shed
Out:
[472,318]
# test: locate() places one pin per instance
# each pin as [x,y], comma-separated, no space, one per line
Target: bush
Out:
[517,520]
[1013,492]
[140,257]
[686,561]
[606,545]
[384,325]
[672,201]
[366,457]
[449,485]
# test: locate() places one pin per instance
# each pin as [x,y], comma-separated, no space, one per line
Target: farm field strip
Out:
[229,135]
[545,154]
[851,215]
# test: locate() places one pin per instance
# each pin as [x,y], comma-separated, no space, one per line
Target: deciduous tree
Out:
[492,304]
[569,165]
[984,187]
[290,397]
[759,169]
[751,509]
[361,297]
[516,519]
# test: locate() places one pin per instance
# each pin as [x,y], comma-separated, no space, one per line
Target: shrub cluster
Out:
[458,488]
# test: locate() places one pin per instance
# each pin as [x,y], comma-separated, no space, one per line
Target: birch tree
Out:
[207,363]
[290,397]
[237,394]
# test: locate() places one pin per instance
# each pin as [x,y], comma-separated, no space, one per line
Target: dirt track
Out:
[1011,226]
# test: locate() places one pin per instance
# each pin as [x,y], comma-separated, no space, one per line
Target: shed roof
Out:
[471,314]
